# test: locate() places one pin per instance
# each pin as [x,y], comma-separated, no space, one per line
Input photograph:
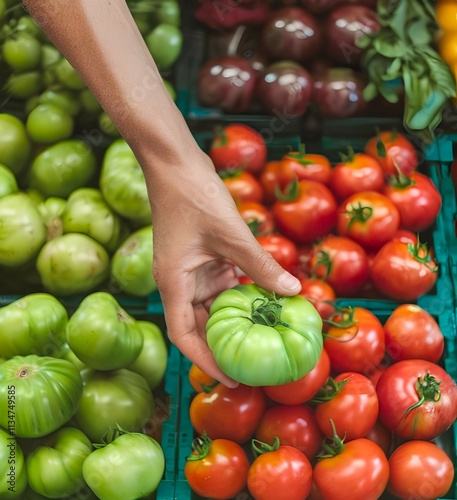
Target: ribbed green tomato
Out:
[54,468]
[102,334]
[259,339]
[33,324]
[38,394]
[128,468]
[13,477]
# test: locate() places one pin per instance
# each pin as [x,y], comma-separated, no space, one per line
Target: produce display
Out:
[70,410]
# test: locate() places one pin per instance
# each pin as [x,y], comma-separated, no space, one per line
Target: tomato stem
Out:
[200,448]
[331,447]
[329,390]
[342,317]
[323,259]
[358,213]
[290,193]
[265,311]
[428,389]
[415,249]
[259,447]
[230,173]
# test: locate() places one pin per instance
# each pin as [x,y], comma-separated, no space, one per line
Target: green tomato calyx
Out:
[201,447]
[358,213]
[111,435]
[266,311]
[428,389]
[259,447]
[421,253]
[331,447]
[329,390]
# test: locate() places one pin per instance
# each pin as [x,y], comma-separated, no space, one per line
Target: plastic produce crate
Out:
[447,320]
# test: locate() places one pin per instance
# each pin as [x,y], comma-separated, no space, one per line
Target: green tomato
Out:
[51,209]
[89,102]
[22,230]
[67,100]
[48,124]
[68,76]
[151,363]
[87,212]
[33,324]
[111,398]
[72,263]
[258,339]
[38,394]
[128,468]
[54,469]
[62,167]
[27,25]
[123,185]
[102,334]
[131,264]
[13,477]
[51,55]
[65,352]
[165,44]
[22,86]
[22,52]
[8,183]
[107,126]
[15,144]
[168,12]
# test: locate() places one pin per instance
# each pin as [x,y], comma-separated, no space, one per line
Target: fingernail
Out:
[288,281]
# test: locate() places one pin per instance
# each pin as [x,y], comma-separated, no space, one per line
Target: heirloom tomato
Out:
[38,394]
[242,185]
[216,469]
[13,480]
[404,271]
[225,413]
[260,339]
[283,250]
[413,333]
[369,218]
[279,471]
[425,402]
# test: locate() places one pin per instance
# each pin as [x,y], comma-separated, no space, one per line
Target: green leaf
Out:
[389,45]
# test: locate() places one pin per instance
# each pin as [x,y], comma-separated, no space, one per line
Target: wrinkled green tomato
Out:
[54,468]
[258,339]
[34,324]
[128,468]
[102,334]
[13,478]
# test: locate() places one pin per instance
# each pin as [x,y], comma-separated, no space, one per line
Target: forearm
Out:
[101,41]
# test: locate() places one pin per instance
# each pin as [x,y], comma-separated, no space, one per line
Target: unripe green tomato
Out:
[27,24]
[67,100]
[15,144]
[165,44]
[168,12]
[24,85]
[13,476]
[68,76]
[48,124]
[22,52]
[89,102]
[8,183]
[107,126]
[50,56]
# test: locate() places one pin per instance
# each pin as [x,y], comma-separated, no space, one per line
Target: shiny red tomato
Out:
[417,199]
[198,379]
[315,167]
[405,235]
[357,172]
[294,425]
[238,146]
[413,333]
[369,218]
[282,249]
[404,271]
[216,468]
[242,185]
[303,389]
[359,471]
[307,212]
[228,413]
[272,177]
[351,403]
[283,472]
[321,294]
[355,341]
[342,263]
[394,152]
[420,470]
[257,216]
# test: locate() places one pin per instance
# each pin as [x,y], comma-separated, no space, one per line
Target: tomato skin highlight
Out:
[360,472]
[420,470]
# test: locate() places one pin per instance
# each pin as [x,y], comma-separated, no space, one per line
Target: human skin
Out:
[199,234]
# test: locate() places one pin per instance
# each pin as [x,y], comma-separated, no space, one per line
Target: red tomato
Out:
[417,200]
[282,249]
[420,470]
[353,406]
[320,294]
[294,425]
[369,218]
[405,236]
[284,472]
[244,280]
[355,341]
[394,152]
[358,172]
[216,469]
[272,177]
[225,413]
[238,146]
[198,379]
[417,399]
[360,471]
[413,333]
[382,437]
[242,185]
[303,389]
[305,252]
[304,165]
[342,263]
[403,271]
[257,216]
[307,213]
